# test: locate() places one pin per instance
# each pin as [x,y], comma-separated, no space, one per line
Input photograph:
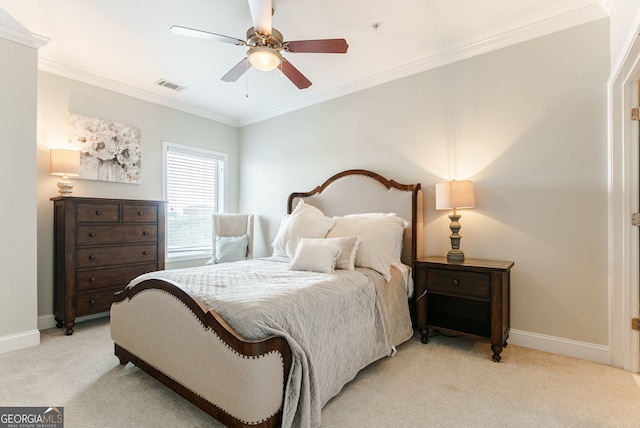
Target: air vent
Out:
[170,85]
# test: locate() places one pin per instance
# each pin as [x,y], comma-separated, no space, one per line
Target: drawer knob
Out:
[455,282]
[145,233]
[92,279]
[98,212]
[140,212]
[92,235]
[145,252]
[92,302]
[92,257]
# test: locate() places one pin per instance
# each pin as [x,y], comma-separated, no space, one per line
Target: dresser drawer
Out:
[88,212]
[459,283]
[132,213]
[116,234]
[117,255]
[110,277]
[94,302]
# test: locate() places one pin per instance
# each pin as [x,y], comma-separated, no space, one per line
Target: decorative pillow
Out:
[348,249]
[397,253]
[306,221]
[231,248]
[379,235]
[315,257]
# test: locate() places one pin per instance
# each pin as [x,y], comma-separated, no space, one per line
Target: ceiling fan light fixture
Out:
[263,58]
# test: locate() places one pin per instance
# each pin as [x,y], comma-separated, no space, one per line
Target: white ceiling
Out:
[126,45]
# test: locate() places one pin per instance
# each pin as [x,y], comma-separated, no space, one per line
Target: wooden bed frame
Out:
[239,382]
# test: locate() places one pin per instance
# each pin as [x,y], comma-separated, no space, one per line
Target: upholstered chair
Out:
[232,238]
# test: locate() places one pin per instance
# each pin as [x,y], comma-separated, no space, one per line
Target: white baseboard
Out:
[13,342]
[558,345]
[49,321]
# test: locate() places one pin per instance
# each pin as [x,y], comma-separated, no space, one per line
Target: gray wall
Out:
[527,123]
[18,173]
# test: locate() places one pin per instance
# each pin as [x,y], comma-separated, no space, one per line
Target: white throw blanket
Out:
[333,323]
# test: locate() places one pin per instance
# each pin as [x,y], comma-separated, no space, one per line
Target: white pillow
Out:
[379,235]
[397,252]
[279,244]
[231,248]
[348,249]
[306,221]
[315,257]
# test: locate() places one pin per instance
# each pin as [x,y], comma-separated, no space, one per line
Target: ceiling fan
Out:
[265,44]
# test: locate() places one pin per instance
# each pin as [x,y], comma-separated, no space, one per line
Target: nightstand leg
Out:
[497,349]
[424,332]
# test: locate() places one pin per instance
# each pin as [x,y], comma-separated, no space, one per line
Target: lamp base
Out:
[65,187]
[455,256]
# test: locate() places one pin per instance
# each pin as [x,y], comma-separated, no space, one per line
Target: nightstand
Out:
[470,298]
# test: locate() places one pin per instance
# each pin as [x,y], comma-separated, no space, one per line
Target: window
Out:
[194,190]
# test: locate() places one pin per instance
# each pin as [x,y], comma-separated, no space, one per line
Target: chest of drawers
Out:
[100,245]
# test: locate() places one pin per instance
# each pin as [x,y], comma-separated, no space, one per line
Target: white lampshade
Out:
[455,195]
[264,59]
[65,163]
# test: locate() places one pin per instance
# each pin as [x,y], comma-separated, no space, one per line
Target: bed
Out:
[267,342]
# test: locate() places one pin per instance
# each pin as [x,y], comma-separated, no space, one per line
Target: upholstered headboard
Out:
[360,191]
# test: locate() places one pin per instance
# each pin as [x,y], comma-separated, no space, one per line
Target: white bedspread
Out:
[336,324]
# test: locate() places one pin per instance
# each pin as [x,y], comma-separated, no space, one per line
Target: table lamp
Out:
[455,195]
[65,163]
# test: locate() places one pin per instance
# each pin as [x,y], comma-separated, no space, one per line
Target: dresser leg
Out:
[59,323]
[69,327]
[497,349]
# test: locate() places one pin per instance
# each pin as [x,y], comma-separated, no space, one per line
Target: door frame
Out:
[624,167]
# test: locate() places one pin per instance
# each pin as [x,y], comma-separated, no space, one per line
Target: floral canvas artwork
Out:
[109,151]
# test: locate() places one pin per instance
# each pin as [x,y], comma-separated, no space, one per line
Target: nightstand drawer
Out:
[459,283]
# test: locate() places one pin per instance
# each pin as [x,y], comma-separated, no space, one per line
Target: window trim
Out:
[166,145]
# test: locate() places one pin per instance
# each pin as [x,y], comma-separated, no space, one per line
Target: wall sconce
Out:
[65,163]
[455,195]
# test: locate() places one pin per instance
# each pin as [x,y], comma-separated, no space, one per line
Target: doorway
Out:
[624,196]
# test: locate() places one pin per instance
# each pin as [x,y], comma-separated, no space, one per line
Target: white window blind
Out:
[194,191]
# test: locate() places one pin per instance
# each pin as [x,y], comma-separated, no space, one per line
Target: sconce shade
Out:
[455,194]
[65,162]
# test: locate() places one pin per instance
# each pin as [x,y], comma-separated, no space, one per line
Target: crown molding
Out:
[104,83]
[561,22]
[23,37]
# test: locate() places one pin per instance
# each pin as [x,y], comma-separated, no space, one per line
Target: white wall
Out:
[527,123]
[18,326]
[56,97]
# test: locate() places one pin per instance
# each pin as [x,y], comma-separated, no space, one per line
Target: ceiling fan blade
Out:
[317,46]
[261,12]
[191,32]
[238,70]
[294,75]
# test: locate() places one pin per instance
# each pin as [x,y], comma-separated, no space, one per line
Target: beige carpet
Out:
[451,382]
